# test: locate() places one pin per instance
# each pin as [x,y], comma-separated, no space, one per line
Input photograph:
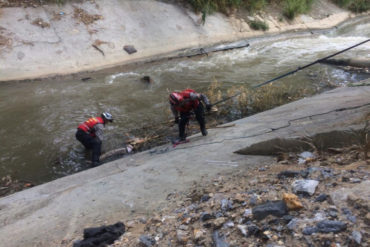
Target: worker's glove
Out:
[208,107]
[176,120]
[129,148]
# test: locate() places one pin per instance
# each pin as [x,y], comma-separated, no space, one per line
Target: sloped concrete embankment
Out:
[58,40]
[56,212]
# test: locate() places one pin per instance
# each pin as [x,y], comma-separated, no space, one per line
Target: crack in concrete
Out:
[265,132]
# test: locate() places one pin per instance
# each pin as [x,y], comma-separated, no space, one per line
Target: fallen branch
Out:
[118,151]
[224,126]
[96,47]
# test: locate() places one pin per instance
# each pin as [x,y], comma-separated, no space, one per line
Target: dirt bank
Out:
[54,40]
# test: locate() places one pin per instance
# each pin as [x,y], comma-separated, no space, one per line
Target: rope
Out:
[294,71]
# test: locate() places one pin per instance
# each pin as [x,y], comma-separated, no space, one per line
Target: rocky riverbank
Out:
[306,199]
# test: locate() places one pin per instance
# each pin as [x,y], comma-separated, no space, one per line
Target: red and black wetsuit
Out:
[188,101]
[89,133]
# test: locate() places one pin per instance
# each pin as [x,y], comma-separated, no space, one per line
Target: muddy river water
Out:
[38,119]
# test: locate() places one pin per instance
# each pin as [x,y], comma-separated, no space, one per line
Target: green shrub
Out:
[254,5]
[206,7]
[259,25]
[354,5]
[292,8]
[359,6]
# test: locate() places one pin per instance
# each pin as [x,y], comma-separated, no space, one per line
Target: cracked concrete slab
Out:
[139,184]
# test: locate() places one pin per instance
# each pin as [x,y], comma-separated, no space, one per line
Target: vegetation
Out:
[246,101]
[354,5]
[259,25]
[292,8]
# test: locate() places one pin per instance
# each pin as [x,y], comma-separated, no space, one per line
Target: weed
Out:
[248,101]
[354,5]
[292,8]
[259,25]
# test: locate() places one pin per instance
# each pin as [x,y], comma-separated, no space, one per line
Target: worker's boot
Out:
[204,131]
[95,164]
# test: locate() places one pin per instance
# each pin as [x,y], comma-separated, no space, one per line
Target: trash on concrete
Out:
[305,157]
[292,201]
[101,236]
[129,49]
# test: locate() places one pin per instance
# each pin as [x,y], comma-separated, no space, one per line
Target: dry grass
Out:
[41,23]
[249,101]
[85,17]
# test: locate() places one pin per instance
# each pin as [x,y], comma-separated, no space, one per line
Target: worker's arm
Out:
[98,128]
[201,97]
[175,113]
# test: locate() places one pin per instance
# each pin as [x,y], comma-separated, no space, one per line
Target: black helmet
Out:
[107,116]
[175,98]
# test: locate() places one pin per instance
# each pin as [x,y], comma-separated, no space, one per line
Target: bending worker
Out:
[90,134]
[185,102]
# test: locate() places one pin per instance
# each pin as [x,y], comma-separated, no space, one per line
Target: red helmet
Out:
[175,98]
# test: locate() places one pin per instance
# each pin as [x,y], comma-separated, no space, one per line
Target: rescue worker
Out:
[90,134]
[186,102]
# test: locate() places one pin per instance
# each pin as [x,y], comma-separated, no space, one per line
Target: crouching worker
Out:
[90,134]
[186,102]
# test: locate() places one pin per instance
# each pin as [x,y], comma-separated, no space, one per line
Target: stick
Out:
[113,152]
[225,126]
[102,52]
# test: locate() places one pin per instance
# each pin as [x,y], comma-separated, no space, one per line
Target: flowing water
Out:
[39,118]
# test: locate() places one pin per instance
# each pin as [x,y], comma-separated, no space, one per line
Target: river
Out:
[39,118]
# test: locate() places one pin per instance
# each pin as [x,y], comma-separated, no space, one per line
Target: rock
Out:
[332,212]
[146,241]
[355,180]
[253,230]
[182,236]
[219,240]
[229,224]
[253,200]
[226,205]
[292,225]
[247,213]
[327,226]
[239,198]
[184,227]
[288,174]
[205,198]
[219,222]
[306,186]
[206,216]
[198,234]
[292,201]
[327,173]
[357,237]
[276,208]
[349,215]
[305,157]
[360,191]
[243,230]
[287,218]
[321,198]
[147,79]
[129,49]
[309,230]
[367,219]
[304,173]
